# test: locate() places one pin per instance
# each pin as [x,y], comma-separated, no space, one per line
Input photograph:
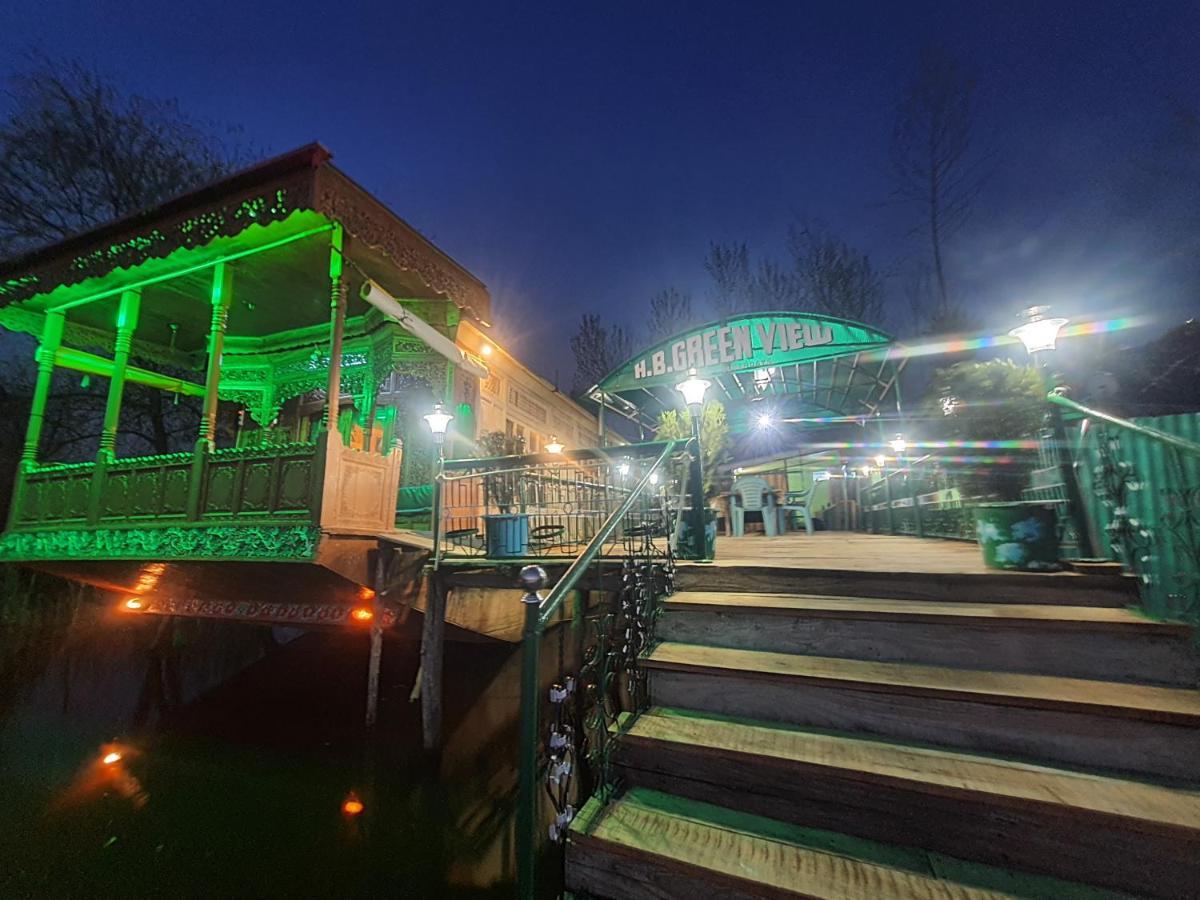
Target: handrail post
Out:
[533,579]
[916,501]
[1087,547]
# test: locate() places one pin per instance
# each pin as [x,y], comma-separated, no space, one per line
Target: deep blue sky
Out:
[581,156]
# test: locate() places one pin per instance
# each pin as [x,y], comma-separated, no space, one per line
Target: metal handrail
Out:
[570,578]
[1146,431]
[538,613]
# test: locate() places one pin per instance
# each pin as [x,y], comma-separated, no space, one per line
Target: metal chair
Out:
[753,495]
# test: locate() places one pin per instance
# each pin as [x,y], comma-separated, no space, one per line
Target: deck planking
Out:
[1146,702]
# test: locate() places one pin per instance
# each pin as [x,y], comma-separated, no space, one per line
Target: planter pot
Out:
[689,547]
[507,535]
[1018,536]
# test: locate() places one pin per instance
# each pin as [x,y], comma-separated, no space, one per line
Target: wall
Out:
[516,401]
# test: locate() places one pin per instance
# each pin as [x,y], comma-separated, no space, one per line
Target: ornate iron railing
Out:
[539,506]
[920,499]
[566,742]
[1140,484]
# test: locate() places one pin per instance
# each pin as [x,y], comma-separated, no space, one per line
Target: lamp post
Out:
[692,389]
[438,421]
[1039,334]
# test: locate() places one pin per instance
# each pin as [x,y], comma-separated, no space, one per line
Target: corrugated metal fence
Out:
[1142,498]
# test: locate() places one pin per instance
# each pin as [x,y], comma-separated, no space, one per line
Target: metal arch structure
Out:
[795,363]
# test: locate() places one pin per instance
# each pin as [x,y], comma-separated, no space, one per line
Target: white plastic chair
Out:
[753,495]
[801,502]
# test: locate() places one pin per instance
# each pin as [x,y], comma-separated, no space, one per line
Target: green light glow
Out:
[187,270]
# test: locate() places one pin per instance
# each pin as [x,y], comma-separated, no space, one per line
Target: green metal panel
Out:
[1161,506]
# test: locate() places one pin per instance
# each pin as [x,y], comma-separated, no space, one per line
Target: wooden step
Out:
[1067,588]
[1121,834]
[1129,727]
[1104,643]
[648,844]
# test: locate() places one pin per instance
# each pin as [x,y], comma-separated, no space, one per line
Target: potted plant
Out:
[714,439]
[998,401]
[506,531]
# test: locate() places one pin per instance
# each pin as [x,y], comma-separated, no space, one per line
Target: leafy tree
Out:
[714,436]
[995,400]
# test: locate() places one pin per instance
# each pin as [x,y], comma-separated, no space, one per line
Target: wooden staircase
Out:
[1015,736]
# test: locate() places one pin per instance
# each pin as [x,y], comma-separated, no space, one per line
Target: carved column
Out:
[127,316]
[52,332]
[222,296]
[337,322]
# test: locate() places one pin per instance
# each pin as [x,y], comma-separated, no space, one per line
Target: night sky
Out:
[581,156]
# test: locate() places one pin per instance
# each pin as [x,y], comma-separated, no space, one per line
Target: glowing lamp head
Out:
[133,603]
[654,478]
[554,445]
[111,759]
[1038,332]
[866,470]
[352,806]
[623,469]
[438,421]
[693,389]
[898,444]
[764,421]
[486,349]
[880,460]
[362,614]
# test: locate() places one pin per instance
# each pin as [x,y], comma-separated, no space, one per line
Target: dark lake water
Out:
[239,746]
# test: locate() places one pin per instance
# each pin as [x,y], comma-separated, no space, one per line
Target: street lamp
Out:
[898,444]
[554,445]
[438,421]
[693,389]
[880,460]
[764,420]
[1038,332]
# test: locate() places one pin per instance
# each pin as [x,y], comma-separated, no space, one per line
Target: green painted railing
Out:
[1140,488]
[639,532]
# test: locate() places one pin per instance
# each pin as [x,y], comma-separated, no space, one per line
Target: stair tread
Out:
[1015,689]
[645,823]
[928,769]
[876,608]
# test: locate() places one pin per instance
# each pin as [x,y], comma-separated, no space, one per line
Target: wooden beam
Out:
[91,364]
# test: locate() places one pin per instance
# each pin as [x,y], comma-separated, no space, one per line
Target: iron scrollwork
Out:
[1116,481]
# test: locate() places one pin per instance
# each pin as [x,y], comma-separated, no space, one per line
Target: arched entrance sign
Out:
[816,365]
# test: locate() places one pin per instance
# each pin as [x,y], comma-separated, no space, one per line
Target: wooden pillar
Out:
[220,298]
[432,648]
[337,323]
[52,331]
[127,316]
[379,572]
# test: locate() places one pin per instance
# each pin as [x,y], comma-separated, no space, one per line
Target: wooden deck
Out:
[847,550]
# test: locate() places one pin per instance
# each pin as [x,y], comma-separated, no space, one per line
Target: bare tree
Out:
[729,267]
[598,350]
[834,278]
[933,162]
[739,286]
[75,152]
[670,313]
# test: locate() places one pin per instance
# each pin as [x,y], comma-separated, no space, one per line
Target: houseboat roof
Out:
[277,198]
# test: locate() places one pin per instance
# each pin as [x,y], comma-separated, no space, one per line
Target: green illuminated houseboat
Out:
[308,326]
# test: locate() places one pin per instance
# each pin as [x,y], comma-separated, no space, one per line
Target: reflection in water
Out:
[142,755]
